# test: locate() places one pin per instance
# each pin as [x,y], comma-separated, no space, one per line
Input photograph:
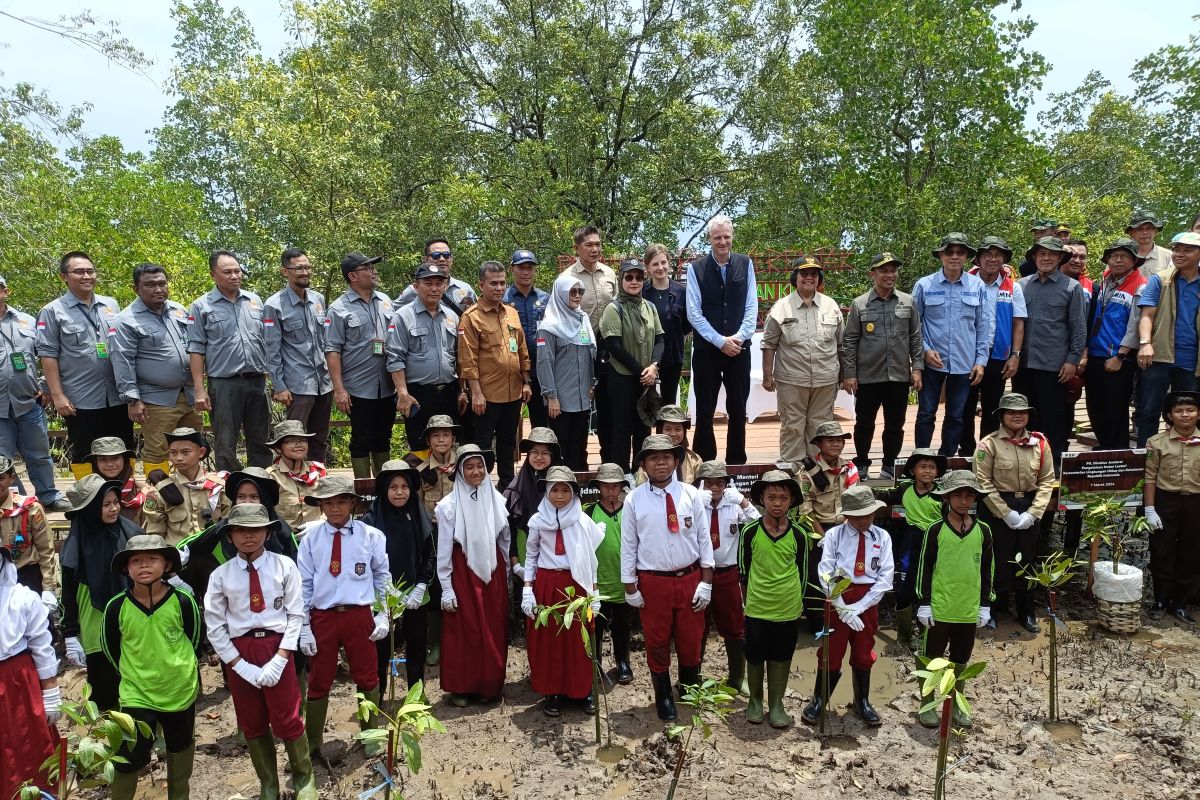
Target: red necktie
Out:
[257,603]
[714,529]
[335,555]
[560,549]
[860,560]
[672,517]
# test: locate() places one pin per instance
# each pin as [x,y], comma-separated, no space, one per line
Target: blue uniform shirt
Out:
[956,320]
[530,308]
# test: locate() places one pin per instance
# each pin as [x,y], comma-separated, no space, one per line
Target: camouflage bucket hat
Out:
[859,501]
[1126,244]
[658,443]
[6,465]
[109,446]
[248,515]
[648,406]
[1013,402]
[712,469]
[959,479]
[559,475]
[609,473]
[924,453]
[268,489]
[147,543]
[286,428]
[953,238]
[543,436]
[673,414]
[775,477]
[988,242]
[1045,223]
[474,451]
[829,429]
[85,490]
[188,434]
[330,487]
[392,468]
[440,422]
[1141,217]
[1054,245]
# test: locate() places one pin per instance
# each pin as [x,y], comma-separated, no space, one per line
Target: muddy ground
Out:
[1127,729]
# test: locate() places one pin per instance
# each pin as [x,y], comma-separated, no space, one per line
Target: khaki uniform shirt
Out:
[176,522]
[292,509]
[1002,466]
[806,336]
[599,288]
[1172,465]
[37,545]
[1158,260]
[883,339]
[492,350]
[433,491]
[825,506]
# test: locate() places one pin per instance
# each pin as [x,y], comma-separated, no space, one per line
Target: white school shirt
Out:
[731,517]
[646,542]
[839,548]
[24,625]
[227,613]
[365,573]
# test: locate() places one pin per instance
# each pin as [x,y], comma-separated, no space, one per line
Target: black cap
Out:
[523,257]
[431,270]
[632,264]
[352,261]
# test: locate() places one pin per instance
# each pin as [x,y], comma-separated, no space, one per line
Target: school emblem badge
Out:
[278,603]
[687,522]
[173,634]
[360,568]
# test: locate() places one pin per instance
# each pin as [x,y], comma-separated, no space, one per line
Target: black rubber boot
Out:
[862,703]
[1025,614]
[620,643]
[812,712]
[664,701]
[688,676]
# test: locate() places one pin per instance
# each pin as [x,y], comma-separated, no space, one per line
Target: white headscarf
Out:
[569,324]
[478,515]
[581,536]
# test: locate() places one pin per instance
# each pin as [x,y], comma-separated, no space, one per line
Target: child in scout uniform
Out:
[523,496]
[922,508]
[31,699]
[674,423]
[773,563]
[437,481]
[954,581]
[825,476]
[861,551]
[294,473]
[190,499]
[727,512]
[614,613]
[1172,498]
[1015,467]
[113,461]
[150,636]
[473,540]
[98,532]
[398,512]
[561,553]
[254,610]
[344,567]
[24,532]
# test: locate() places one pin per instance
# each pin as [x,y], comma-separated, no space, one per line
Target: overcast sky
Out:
[1076,37]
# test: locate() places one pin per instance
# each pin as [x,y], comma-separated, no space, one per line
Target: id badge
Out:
[377,347]
[18,362]
[101,350]
[512,344]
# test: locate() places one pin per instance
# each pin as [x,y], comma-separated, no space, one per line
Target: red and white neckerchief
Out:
[308,477]
[1186,441]
[1031,439]
[849,471]
[214,488]
[20,505]
[132,495]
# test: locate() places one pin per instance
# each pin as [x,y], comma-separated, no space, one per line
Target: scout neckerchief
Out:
[1030,439]
[21,506]
[309,477]
[1186,441]
[208,485]
[132,495]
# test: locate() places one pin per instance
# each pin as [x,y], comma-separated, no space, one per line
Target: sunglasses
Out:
[632,277]
[440,255]
[577,292]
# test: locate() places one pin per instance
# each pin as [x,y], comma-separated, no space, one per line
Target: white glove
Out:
[1153,519]
[635,600]
[518,569]
[449,601]
[702,596]
[850,619]
[50,601]
[382,626]
[415,597]
[52,703]
[985,616]
[247,672]
[75,652]
[185,553]
[1013,519]
[180,584]
[925,616]
[272,671]
[1027,521]
[528,603]
[308,642]
[595,606]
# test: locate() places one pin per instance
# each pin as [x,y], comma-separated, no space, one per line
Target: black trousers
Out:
[767,640]
[712,369]
[959,635]
[1107,396]
[179,734]
[571,428]
[431,401]
[413,634]
[1175,551]
[371,422]
[87,425]
[628,430]
[893,397]
[313,410]
[104,680]
[989,390]
[240,410]
[602,415]
[614,617]
[499,421]
[1007,544]
[1049,397]
[538,418]
[668,383]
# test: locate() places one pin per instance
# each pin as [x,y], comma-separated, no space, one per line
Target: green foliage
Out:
[1114,524]
[710,702]
[939,681]
[410,723]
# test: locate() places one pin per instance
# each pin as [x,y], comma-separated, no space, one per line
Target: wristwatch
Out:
[1015,354]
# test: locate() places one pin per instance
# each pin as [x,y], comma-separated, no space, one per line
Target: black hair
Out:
[216,256]
[289,255]
[66,259]
[147,268]
[491,266]
[584,231]
[431,242]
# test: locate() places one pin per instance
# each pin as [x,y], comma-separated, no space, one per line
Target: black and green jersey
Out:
[608,554]
[956,570]
[154,649]
[774,571]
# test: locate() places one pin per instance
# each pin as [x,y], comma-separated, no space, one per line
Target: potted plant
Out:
[1117,587]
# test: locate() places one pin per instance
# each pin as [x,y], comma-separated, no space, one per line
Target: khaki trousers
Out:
[161,420]
[801,410]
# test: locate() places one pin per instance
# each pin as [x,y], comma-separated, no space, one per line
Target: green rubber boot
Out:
[377,462]
[302,682]
[435,637]
[262,756]
[179,773]
[754,707]
[372,747]
[777,678]
[123,786]
[904,627]
[361,467]
[735,653]
[930,718]
[314,724]
[960,718]
[304,783]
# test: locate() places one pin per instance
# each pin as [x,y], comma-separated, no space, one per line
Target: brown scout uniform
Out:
[175,510]
[30,524]
[822,486]
[435,483]
[292,508]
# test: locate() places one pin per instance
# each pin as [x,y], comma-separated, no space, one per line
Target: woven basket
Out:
[1120,617]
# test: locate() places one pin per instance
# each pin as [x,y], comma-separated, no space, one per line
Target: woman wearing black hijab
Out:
[398,512]
[98,532]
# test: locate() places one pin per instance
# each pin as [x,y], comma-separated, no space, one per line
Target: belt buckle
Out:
[259,634]
[1019,495]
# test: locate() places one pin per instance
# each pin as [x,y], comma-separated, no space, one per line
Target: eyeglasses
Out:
[440,255]
[301,268]
[577,292]
[632,277]
[82,273]
[368,268]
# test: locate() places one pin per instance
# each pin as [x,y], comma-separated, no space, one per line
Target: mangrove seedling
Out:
[709,701]
[939,680]
[404,727]
[565,613]
[1055,570]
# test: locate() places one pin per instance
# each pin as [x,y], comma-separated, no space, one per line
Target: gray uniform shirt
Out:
[351,329]
[18,388]
[882,341]
[69,330]
[150,357]
[1056,328]
[423,344]
[565,371]
[294,333]
[458,292]
[229,335]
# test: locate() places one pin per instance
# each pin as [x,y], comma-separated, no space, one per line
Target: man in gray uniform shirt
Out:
[152,366]
[225,339]
[74,343]
[294,327]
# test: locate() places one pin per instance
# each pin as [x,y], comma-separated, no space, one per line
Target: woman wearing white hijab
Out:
[472,540]
[560,553]
[566,357]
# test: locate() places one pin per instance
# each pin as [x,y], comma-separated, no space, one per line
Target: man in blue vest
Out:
[722,307]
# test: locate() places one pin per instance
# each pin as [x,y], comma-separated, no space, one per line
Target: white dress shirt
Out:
[24,625]
[731,517]
[646,543]
[227,613]
[445,546]
[365,571]
[839,548]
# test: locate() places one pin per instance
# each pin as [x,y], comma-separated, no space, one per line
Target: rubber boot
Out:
[124,785]
[302,682]
[435,637]
[314,724]
[375,747]
[179,773]
[754,688]
[361,467]
[147,468]
[377,462]
[777,678]
[624,674]
[735,653]
[862,703]
[80,471]
[904,627]
[304,783]
[664,702]
[688,676]
[812,712]
[1025,614]
[262,755]
[930,718]
[960,718]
